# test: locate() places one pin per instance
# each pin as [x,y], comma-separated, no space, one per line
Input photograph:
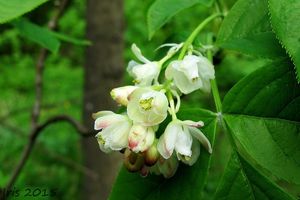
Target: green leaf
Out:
[11,9]
[247,29]
[271,91]
[273,144]
[264,119]
[37,34]
[285,17]
[191,180]
[242,181]
[161,11]
[72,40]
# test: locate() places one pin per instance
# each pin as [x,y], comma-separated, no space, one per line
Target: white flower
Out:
[121,94]
[140,138]
[178,137]
[147,107]
[144,73]
[191,73]
[114,130]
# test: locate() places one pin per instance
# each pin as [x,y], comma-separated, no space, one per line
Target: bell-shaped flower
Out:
[114,130]
[121,94]
[179,136]
[147,107]
[144,72]
[191,73]
[140,138]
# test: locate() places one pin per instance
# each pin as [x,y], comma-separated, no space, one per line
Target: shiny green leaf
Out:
[11,9]
[161,11]
[285,17]
[35,33]
[264,119]
[247,29]
[242,181]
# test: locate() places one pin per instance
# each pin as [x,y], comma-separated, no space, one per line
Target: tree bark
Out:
[103,71]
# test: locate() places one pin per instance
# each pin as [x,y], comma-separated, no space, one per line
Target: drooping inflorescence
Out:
[148,104]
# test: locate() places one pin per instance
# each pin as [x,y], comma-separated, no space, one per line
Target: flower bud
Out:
[144,171]
[121,94]
[133,161]
[140,138]
[168,167]
[151,155]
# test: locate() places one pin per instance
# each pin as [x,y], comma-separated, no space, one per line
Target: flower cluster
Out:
[148,104]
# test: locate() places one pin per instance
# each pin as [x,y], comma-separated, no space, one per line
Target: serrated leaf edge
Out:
[281,43]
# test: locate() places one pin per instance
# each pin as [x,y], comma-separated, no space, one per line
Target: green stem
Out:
[172,106]
[194,34]
[213,82]
[216,95]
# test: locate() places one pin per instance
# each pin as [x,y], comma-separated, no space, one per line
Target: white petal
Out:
[137,52]
[166,142]
[201,137]
[174,47]
[193,123]
[145,74]
[189,66]
[147,113]
[206,68]
[181,80]
[116,136]
[101,143]
[195,154]
[206,85]
[169,73]
[184,142]
[130,67]
[121,94]
[106,120]
[101,114]
[184,84]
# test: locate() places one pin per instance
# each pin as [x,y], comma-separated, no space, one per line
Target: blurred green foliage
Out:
[51,165]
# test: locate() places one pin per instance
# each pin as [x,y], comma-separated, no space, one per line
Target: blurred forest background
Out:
[61,158]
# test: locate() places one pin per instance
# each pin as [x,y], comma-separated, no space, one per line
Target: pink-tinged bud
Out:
[140,138]
[133,161]
[121,94]
[151,155]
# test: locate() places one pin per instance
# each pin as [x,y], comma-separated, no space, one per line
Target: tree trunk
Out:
[103,71]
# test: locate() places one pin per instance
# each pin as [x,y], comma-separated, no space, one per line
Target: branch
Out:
[35,127]
[52,24]
[83,131]
[34,135]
